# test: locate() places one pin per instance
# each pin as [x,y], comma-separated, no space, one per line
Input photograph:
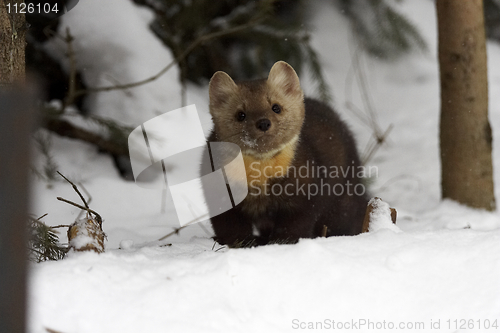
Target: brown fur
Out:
[255,98]
[300,134]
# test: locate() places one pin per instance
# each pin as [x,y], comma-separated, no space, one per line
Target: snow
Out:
[85,234]
[248,141]
[439,264]
[81,241]
[380,216]
[113,45]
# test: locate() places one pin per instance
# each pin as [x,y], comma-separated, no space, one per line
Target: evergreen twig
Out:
[381,30]
[317,74]
[43,243]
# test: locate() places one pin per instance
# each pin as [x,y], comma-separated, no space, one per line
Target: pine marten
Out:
[302,166]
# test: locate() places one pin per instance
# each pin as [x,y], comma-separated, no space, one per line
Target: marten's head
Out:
[261,116]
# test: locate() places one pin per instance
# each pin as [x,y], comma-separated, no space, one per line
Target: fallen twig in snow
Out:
[85,234]
[379,216]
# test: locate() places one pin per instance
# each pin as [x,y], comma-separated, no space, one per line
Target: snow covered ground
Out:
[440,273]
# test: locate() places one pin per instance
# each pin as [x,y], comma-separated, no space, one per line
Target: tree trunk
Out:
[12,43]
[465,133]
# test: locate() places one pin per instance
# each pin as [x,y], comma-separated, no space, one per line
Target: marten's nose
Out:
[263,124]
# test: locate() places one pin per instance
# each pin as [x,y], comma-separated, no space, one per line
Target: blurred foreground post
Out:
[465,133]
[16,119]
[15,125]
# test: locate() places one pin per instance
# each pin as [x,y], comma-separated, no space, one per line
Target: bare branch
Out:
[367,115]
[60,226]
[70,98]
[67,129]
[176,230]
[200,40]
[76,189]
[98,217]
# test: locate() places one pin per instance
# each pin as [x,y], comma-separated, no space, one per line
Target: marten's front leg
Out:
[233,229]
[289,229]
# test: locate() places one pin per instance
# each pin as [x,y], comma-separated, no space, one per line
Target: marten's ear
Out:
[221,88]
[282,77]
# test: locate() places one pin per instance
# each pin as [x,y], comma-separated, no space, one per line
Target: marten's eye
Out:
[241,116]
[276,108]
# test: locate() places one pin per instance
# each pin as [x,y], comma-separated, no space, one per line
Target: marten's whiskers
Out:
[230,136]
